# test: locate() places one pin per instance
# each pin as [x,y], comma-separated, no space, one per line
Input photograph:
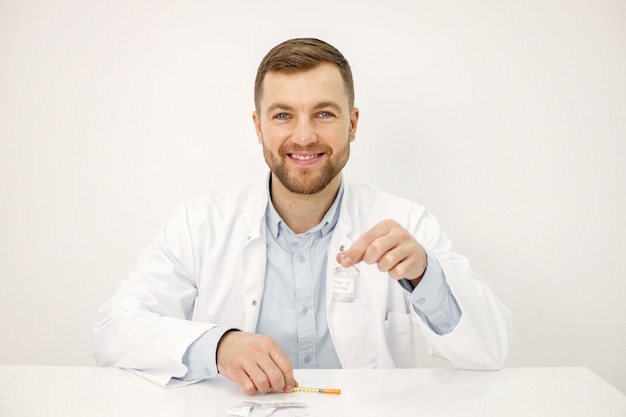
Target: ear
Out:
[257,126]
[354,121]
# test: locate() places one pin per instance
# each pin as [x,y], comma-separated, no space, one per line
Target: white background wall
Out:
[506,119]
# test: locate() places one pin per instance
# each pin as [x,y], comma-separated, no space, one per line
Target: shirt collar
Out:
[275,222]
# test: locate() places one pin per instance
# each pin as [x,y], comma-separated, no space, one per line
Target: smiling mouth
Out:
[304,157]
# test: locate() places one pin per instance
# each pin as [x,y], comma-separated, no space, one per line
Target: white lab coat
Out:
[207,268]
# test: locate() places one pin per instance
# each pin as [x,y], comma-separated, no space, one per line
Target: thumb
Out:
[344,259]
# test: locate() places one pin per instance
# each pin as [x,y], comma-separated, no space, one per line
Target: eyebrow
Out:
[278,106]
[326,104]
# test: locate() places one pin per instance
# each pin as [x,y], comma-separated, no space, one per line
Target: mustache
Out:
[313,148]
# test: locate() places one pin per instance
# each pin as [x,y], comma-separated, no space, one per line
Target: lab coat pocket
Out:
[400,338]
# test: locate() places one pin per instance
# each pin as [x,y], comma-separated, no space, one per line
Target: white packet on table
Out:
[269,408]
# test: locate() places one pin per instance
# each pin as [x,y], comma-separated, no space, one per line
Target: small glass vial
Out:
[346,284]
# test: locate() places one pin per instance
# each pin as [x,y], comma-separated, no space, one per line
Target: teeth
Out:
[303,157]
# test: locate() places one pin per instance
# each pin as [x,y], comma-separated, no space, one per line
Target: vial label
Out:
[345,283]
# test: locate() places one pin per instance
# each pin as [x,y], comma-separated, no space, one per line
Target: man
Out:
[242,283]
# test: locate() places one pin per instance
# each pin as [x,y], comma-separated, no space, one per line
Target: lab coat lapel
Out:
[253,279]
[254,261]
[350,323]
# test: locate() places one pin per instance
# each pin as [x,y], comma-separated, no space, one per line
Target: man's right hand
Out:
[255,363]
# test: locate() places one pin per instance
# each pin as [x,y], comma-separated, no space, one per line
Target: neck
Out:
[302,212]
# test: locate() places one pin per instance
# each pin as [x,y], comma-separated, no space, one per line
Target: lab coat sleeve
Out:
[483,336]
[146,326]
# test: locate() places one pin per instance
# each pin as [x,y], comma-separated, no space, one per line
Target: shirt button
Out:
[253,302]
[301,258]
[307,359]
[305,310]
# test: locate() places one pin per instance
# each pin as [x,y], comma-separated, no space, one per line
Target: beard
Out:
[306,180]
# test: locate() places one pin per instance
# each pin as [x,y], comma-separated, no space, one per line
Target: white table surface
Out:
[53,391]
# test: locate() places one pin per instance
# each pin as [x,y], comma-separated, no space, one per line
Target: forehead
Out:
[321,83]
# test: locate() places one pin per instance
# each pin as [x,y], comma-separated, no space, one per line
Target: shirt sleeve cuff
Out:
[432,298]
[200,357]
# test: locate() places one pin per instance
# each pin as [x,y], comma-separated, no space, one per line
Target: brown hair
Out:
[302,54]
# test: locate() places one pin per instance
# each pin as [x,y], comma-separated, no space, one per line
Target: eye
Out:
[281,116]
[325,115]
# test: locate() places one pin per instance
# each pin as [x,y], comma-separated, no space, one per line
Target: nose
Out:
[304,132]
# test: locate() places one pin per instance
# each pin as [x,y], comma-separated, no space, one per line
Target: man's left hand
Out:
[392,248]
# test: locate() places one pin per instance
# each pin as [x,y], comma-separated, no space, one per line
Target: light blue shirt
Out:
[293,310]
[293,307]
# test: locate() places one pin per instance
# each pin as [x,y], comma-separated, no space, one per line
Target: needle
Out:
[318,390]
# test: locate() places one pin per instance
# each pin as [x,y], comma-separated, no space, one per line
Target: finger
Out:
[411,266]
[286,368]
[382,248]
[390,259]
[276,367]
[259,378]
[356,252]
[400,270]
[273,375]
[244,382]
[394,248]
